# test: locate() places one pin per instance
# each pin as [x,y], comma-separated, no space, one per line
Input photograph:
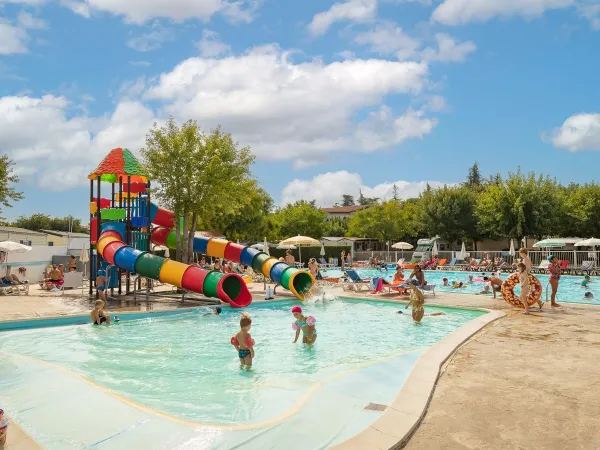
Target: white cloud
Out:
[65,147]
[328,188]
[140,63]
[590,10]
[449,49]
[579,132]
[288,111]
[351,10]
[387,38]
[26,20]
[457,12]
[152,40]
[210,45]
[140,11]
[13,39]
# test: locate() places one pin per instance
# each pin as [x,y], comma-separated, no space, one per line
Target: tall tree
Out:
[35,222]
[8,178]
[520,205]
[582,210]
[366,201]
[449,213]
[300,218]
[474,179]
[395,193]
[348,200]
[336,227]
[198,175]
[387,221]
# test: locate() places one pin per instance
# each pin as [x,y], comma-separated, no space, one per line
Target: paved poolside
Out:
[522,382]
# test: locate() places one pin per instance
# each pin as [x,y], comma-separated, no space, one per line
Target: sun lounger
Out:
[441,265]
[72,280]
[564,266]
[587,267]
[542,268]
[325,264]
[356,282]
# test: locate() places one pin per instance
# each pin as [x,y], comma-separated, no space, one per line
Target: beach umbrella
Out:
[84,258]
[261,246]
[550,243]
[434,250]
[512,248]
[322,253]
[266,247]
[402,246]
[300,241]
[13,247]
[591,242]
[286,247]
[463,252]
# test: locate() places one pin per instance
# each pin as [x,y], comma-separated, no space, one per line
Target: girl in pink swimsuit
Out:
[554,269]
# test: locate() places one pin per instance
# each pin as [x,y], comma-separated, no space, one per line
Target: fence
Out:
[574,257]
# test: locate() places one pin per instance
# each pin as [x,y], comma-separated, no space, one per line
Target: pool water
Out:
[185,365]
[569,289]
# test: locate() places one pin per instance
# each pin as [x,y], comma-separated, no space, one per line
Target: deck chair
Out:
[427,288]
[564,266]
[72,280]
[587,267]
[325,263]
[356,283]
[442,263]
[542,268]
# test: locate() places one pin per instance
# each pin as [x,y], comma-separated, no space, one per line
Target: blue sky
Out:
[332,97]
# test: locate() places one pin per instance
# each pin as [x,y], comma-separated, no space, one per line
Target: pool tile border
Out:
[393,429]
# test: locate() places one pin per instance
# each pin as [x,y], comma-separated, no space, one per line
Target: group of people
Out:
[224,266]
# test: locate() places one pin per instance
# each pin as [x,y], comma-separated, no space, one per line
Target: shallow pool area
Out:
[184,370]
[569,291]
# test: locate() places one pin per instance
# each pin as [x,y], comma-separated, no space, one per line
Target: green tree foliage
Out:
[366,201]
[200,176]
[37,222]
[336,227]
[252,222]
[348,200]
[300,218]
[8,178]
[520,205]
[449,213]
[388,221]
[474,179]
[582,210]
[395,193]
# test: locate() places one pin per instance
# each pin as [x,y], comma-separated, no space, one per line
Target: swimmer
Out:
[470,280]
[216,312]
[458,285]
[586,280]
[98,315]
[588,295]
[243,342]
[445,280]
[304,324]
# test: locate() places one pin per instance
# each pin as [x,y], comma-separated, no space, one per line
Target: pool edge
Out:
[394,428]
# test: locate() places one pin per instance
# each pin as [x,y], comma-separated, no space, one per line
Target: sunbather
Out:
[418,275]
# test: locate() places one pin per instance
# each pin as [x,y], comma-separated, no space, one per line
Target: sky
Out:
[332,97]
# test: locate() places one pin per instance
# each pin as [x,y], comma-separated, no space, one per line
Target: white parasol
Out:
[463,252]
[300,241]
[13,247]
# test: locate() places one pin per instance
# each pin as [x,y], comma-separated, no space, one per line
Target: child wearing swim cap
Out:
[445,280]
[243,342]
[306,324]
[586,281]
[100,284]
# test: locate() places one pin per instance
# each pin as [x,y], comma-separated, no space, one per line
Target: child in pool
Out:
[304,324]
[216,312]
[243,342]
[586,281]
[98,315]
[470,280]
[588,295]
[524,282]
[445,280]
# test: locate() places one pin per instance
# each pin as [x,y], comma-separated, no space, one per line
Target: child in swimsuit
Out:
[524,282]
[243,342]
[417,300]
[100,284]
[586,281]
[98,315]
[306,324]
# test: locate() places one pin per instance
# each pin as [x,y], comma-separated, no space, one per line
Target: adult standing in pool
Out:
[554,269]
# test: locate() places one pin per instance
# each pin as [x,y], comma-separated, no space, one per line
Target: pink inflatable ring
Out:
[508,286]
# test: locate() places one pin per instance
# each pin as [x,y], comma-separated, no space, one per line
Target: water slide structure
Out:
[123,227]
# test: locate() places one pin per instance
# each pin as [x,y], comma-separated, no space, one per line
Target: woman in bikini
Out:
[554,269]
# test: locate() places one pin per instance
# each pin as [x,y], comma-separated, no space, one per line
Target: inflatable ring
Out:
[508,286]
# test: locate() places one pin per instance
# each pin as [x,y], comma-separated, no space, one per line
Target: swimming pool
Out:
[185,366]
[569,290]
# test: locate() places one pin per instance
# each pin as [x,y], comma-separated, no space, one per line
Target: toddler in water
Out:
[586,281]
[243,342]
[470,280]
[306,324]
[445,280]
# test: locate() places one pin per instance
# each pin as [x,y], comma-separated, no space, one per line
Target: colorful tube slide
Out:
[291,278]
[229,288]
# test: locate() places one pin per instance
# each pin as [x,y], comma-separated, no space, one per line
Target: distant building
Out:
[74,241]
[342,212]
[23,236]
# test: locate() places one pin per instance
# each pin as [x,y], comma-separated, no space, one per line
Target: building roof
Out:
[344,209]
[65,234]
[19,230]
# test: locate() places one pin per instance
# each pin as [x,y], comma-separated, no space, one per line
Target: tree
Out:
[448,212]
[521,205]
[395,193]
[300,218]
[366,201]
[582,210]
[8,178]
[388,221]
[348,200]
[336,227]
[251,222]
[474,179]
[200,176]
[35,222]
